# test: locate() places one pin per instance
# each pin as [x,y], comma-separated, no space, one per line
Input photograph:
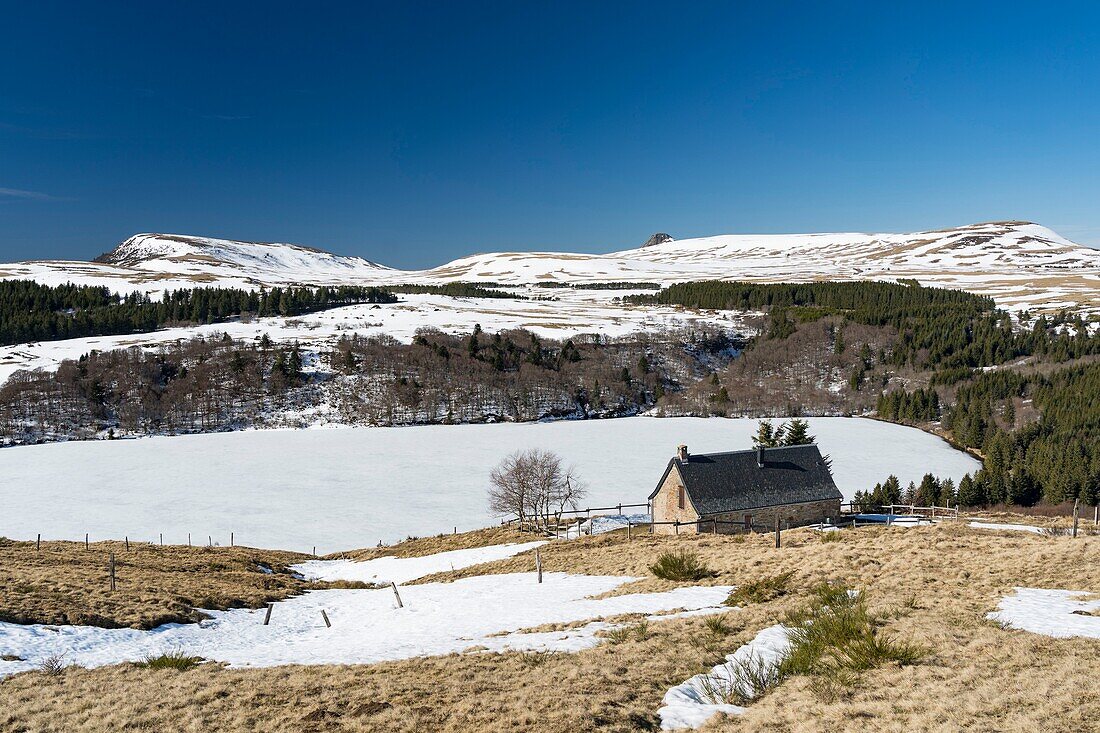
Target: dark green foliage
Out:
[680,566]
[455,290]
[795,432]
[1055,459]
[884,494]
[937,328]
[33,312]
[921,405]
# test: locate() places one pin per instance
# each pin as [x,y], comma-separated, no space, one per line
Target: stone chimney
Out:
[682,453]
[759,456]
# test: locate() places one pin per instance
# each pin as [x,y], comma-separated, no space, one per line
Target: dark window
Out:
[748,522]
[680,497]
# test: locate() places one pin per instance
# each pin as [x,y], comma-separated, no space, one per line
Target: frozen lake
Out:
[350,487]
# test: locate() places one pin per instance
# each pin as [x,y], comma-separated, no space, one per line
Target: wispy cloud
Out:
[18,193]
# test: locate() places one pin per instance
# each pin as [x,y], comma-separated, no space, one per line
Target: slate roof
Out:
[718,483]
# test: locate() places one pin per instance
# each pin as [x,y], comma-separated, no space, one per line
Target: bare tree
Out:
[531,485]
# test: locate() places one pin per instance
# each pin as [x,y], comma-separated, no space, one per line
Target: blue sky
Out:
[412,133]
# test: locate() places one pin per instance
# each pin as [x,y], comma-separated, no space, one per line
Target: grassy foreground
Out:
[64,583]
[930,586]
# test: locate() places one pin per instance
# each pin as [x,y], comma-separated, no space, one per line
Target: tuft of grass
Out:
[680,566]
[637,632]
[761,590]
[743,681]
[172,660]
[832,536]
[717,625]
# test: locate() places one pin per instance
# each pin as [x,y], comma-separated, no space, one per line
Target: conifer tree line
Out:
[30,311]
[937,328]
[1052,457]
[931,491]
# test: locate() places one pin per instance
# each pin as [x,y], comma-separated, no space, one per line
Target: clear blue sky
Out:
[412,133]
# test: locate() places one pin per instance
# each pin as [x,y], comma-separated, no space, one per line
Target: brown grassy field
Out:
[65,583]
[931,586]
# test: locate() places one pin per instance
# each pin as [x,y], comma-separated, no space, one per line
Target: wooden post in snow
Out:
[324,615]
[112,570]
[538,564]
[267,616]
[397,595]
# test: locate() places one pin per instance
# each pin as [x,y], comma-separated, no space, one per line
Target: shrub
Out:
[680,566]
[832,536]
[759,591]
[172,660]
[53,665]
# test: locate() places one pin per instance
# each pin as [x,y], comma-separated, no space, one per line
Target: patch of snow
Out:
[1054,613]
[403,569]
[437,619]
[602,524]
[293,490]
[691,703]
[1009,527]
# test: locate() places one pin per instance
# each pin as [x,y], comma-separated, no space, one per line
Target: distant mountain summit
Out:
[658,238]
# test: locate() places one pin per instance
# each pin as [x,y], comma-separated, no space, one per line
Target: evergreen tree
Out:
[797,432]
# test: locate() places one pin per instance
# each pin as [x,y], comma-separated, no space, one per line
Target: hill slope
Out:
[1018,263]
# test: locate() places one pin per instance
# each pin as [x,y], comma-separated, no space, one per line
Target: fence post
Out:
[188,539]
[232,541]
[127,539]
[85,540]
[267,616]
[112,560]
[628,530]
[1096,516]
[162,539]
[677,526]
[396,595]
[38,543]
[777,530]
[324,615]
[538,564]
[1076,515]
[714,526]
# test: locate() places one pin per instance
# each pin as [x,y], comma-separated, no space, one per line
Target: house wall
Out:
[790,515]
[666,506]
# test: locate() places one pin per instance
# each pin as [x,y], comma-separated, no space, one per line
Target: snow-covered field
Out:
[343,488]
[571,314]
[366,627]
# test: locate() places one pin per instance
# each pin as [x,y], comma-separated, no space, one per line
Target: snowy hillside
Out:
[1022,265]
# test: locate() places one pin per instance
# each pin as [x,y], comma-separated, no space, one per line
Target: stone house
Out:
[751,487]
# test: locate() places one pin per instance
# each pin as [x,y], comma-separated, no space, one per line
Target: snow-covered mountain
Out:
[1021,264]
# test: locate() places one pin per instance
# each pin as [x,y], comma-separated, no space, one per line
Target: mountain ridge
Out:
[1019,263]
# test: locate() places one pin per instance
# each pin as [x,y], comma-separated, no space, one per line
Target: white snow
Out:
[1020,264]
[403,569]
[437,619]
[692,703]
[572,314]
[343,488]
[1049,612]
[1008,527]
[603,524]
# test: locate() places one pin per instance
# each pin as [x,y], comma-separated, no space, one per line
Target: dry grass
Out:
[931,585]
[66,584]
[420,546]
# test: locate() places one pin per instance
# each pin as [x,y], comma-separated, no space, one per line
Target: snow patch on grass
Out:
[403,569]
[1056,613]
[698,699]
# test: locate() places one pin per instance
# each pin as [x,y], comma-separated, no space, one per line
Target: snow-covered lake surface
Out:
[367,626]
[345,488]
